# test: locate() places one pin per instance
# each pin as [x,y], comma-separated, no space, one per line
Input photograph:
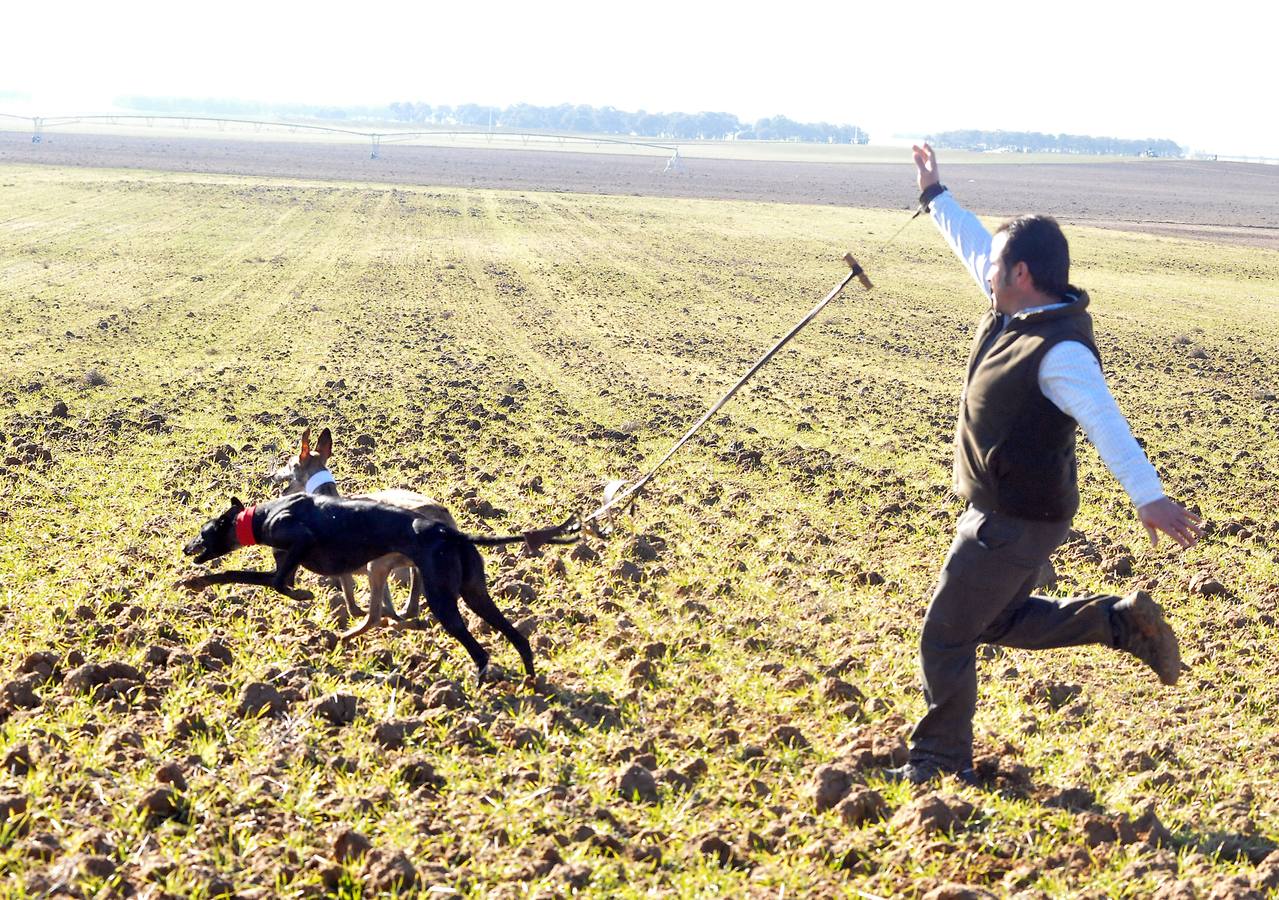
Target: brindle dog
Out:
[307,471]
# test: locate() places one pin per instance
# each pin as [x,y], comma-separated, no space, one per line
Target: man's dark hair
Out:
[1038,242]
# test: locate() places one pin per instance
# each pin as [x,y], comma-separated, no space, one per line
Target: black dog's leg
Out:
[295,542]
[444,606]
[262,579]
[279,556]
[291,545]
[475,595]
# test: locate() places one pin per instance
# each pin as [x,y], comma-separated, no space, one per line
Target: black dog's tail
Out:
[567,532]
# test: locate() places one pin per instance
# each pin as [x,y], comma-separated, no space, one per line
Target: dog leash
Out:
[617,492]
[617,495]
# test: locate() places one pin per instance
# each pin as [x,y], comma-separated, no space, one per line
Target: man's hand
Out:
[926,163]
[1172,519]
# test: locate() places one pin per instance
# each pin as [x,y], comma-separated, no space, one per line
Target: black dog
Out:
[334,536]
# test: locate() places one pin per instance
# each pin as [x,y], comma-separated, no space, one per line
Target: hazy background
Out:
[1203,79]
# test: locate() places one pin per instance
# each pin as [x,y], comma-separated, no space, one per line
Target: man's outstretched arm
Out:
[967,237]
[1071,378]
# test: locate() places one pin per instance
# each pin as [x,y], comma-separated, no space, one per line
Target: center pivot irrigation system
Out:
[376,138]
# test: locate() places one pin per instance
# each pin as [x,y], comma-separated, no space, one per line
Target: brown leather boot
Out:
[1139,628]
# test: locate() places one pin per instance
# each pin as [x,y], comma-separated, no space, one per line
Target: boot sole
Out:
[1148,617]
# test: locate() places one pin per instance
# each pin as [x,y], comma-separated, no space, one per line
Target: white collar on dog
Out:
[318,480]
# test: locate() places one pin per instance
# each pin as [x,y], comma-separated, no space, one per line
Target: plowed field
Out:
[722,682]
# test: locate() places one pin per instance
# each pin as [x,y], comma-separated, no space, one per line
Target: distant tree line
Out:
[247,109]
[1036,142]
[609,120]
[567,117]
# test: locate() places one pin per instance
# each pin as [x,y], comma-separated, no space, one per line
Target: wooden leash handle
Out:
[858,271]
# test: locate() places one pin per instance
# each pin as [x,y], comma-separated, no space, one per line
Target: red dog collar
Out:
[244,527]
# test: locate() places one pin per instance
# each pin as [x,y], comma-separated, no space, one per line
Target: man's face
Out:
[1000,283]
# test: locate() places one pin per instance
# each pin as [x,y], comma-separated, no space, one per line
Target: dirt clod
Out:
[642,548]
[83,679]
[545,865]
[1150,829]
[637,783]
[838,690]
[642,672]
[260,699]
[830,785]
[933,813]
[628,571]
[349,845]
[520,592]
[1202,583]
[444,695]
[213,654]
[12,806]
[171,773]
[18,760]
[575,875]
[1075,799]
[860,806]
[387,873]
[159,804]
[789,736]
[43,846]
[873,748]
[20,692]
[673,779]
[337,709]
[189,725]
[421,774]
[391,735]
[720,850]
[43,663]
[1234,887]
[955,891]
[1266,876]
[1183,889]
[1054,694]
[1096,829]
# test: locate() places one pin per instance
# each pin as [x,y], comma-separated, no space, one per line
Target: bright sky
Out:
[1202,75]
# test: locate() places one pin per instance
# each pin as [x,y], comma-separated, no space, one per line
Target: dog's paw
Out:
[195,583]
[301,594]
[409,625]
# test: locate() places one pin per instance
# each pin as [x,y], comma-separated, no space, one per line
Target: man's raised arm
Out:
[966,236]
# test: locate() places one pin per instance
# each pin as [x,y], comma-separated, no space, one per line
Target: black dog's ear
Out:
[325,446]
[236,504]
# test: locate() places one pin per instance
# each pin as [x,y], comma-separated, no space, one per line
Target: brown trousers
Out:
[983,596]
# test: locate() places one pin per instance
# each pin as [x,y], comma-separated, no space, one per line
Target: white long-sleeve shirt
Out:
[1069,374]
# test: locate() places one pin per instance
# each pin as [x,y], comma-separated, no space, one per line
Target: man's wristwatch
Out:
[930,194]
